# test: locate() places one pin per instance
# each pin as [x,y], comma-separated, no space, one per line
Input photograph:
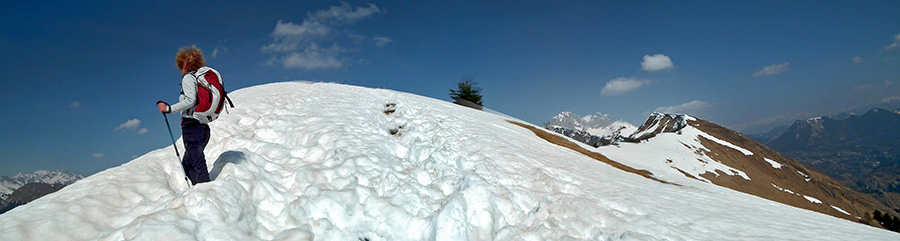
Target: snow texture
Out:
[774,163]
[303,161]
[783,189]
[840,210]
[812,199]
[678,152]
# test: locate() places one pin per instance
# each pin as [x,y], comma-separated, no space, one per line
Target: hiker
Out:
[194,131]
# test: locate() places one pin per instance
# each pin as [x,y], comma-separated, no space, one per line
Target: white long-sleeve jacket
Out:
[187,100]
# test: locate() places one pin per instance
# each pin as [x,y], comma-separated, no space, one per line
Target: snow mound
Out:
[303,161]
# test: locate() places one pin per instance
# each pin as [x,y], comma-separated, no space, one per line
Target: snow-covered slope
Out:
[10,184]
[682,145]
[297,161]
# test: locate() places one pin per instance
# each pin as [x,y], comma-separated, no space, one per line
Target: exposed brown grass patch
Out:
[688,174]
[814,184]
[561,141]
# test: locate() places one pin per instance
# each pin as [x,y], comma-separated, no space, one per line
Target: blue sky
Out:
[80,79]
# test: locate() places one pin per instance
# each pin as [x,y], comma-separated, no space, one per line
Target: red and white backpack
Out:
[211,95]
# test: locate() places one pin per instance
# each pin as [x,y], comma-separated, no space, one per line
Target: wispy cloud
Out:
[314,57]
[288,36]
[773,69]
[132,124]
[74,105]
[858,60]
[863,86]
[300,45]
[656,62]
[895,44]
[343,14]
[98,155]
[219,50]
[687,108]
[622,85]
[381,41]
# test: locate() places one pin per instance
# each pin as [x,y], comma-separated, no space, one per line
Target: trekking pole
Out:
[176,147]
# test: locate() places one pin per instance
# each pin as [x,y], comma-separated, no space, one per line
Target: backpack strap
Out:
[230,103]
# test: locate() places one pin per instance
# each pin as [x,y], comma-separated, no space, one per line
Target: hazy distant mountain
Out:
[875,127]
[862,151]
[756,129]
[770,135]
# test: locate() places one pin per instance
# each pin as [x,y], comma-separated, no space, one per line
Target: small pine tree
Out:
[467,90]
[887,221]
[877,216]
[895,224]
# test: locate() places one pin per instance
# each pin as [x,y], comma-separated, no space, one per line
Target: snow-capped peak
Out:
[599,124]
[660,123]
[10,184]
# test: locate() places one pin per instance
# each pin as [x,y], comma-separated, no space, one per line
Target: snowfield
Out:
[318,161]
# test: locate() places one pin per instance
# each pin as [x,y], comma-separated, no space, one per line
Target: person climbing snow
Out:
[202,98]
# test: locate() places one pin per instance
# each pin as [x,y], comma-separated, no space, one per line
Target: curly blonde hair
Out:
[189,57]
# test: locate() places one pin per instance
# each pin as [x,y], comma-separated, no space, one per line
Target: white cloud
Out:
[687,108]
[862,87]
[343,14]
[656,62]
[74,105]
[858,60]
[305,30]
[622,85]
[773,69]
[891,99]
[894,45]
[219,50]
[142,131]
[314,57]
[129,125]
[298,45]
[98,155]
[289,35]
[381,41]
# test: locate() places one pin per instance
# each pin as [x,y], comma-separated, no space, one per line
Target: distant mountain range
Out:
[860,151]
[9,184]
[595,130]
[23,188]
[786,120]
